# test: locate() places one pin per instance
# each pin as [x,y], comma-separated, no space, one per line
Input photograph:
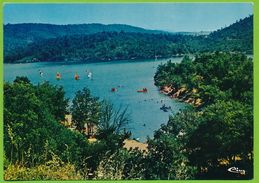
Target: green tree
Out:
[225,132]
[112,121]
[21,79]
[167,157]
[85,111]
[54,98]
[113,124]
[32,132]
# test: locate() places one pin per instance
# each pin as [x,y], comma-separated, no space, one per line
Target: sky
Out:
[189,17]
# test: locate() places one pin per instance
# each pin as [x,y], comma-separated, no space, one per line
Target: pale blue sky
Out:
[162,16]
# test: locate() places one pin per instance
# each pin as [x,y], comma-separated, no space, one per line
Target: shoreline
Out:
[96,61]
[127,143]
[181,94]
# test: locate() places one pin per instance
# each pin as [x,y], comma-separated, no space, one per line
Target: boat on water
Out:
[165,108]
[90,75]
[144,90]
[76,76]
[113,89]
[41,73]
[58,76]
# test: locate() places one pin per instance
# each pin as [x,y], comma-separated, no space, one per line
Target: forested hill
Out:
[242,29]
[19,35]
[113,42]
[101,46]
[239,35]
[35,31]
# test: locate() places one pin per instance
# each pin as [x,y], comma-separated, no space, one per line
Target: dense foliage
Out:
[237,36]
[20,35]
[54,169]
[85,111]
[34,134]
[210,77]
[111,44]
[218,134]
[101,46]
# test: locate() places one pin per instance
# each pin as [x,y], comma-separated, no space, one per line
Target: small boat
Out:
[113,89]
[58,76]
[144,90]
[165,108]
[76,76]
[89,75]
[41,73]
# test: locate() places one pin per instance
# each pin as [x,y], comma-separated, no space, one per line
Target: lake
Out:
[126,76]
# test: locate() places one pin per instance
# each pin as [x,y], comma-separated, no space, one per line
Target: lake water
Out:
[144,108]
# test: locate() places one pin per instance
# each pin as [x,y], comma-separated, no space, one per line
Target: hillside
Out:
[44,42]
[242,29]
[20,35]
[102,46]
[238,36]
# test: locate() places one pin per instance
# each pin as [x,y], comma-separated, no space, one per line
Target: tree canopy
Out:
[217,134]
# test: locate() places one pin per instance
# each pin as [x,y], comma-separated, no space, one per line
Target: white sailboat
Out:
[89,75]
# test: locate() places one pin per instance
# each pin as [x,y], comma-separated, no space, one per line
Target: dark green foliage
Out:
[33,131]
[167,157]
[238,36]
[101,46]
[102,121]
[111,128]
[224,133]
[71,43]
[215,76]
[20,35]
[21,79]
[85,111]
[54,98]
[219,133]
[112,121]
[32,126]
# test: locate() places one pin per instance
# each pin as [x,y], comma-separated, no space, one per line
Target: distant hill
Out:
[20,35]
[101,46]
[45,42]
[201,33]
[238,36]
[242,29]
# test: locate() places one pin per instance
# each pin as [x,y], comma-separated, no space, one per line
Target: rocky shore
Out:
[182,94]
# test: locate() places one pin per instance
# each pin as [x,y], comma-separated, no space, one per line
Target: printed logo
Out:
[236,170]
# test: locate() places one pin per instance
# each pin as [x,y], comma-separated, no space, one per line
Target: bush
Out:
[54,169]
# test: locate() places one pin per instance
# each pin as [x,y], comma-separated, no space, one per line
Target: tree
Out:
[225,133]
[112,121]
[112,125]
[21,79]
[54,98]
[167,159]
[32,132]
[85,111]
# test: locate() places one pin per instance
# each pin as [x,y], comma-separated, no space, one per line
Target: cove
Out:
[126,76]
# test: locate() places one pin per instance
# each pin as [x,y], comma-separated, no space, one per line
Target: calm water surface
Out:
[131,76]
